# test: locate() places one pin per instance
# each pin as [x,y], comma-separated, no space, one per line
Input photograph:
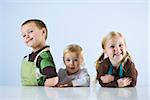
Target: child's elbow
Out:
[51,82]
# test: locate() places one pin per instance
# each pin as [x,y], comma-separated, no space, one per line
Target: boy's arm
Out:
[51,76]
[48,69]
[51,81]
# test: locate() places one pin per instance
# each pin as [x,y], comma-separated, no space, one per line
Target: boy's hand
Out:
[107,78]
[64,85]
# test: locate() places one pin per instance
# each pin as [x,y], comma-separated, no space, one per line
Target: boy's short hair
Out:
[39,23]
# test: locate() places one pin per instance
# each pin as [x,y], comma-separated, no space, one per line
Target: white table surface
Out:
[76,93]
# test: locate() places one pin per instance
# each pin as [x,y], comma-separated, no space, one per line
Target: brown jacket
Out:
[129,70]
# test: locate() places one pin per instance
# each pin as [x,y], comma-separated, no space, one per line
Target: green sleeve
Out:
[46,60]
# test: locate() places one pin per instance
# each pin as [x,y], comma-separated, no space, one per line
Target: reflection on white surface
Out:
[76,93]
[80,93]
[117,94]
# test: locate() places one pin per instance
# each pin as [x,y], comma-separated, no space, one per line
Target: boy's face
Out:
[72,62]
[115,49]
[32,35]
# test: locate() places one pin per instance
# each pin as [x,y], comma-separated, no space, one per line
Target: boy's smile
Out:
[33,36]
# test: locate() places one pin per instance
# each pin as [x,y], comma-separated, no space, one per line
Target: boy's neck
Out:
[38,47]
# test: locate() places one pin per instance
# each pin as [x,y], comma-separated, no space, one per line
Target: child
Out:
[115,67]
[37,68]
[74,75]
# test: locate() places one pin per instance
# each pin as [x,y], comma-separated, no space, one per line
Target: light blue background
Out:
[84,22]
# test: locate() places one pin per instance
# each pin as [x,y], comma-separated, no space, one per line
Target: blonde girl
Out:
[74,75]
[115,67]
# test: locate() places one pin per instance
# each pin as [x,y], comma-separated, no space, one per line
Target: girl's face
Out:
[32,35]
[115,48]
[72,62]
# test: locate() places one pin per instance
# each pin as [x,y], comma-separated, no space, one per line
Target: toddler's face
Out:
[32,35]
[72,62]
[115,48]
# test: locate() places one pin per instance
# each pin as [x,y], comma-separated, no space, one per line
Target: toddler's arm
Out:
[83,79]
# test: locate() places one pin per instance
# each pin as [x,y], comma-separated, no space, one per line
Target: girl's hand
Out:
[122,82]
[107,78]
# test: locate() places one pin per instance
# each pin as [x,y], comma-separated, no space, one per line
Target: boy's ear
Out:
[43,30]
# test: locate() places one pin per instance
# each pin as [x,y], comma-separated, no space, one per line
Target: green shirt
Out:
[44,65]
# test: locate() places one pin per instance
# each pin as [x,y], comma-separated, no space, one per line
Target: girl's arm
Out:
[124,82]
[131,73]
[101,77]
[110,84]
[107,78]
[83,79]
[62,76]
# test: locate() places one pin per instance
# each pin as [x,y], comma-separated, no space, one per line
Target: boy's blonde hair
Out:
[102,56]
[74,48]
[39,23]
